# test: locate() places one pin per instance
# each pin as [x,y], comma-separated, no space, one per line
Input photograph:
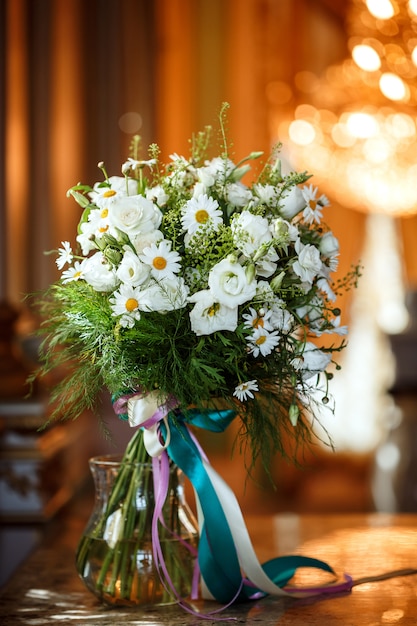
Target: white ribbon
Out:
[245,551]
[141,409]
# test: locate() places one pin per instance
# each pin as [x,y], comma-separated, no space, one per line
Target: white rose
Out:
[209,316]
[140,242]
[291,202]
[131,270]
[134,215]
[98,273]
[329,245]
[229,285]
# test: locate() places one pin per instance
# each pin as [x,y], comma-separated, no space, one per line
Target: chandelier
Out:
[359,126]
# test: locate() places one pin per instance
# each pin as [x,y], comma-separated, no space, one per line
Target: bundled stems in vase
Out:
[115,555]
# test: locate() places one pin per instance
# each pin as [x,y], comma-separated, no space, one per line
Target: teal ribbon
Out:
[217,555]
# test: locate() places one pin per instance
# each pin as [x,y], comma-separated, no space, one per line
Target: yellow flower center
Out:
[131,304]
[109,193]
[201,216]
[77,274]
[103,229]
[159,263]
[258,321]
[104,213]
[213,309]
[260,340]
[312,204]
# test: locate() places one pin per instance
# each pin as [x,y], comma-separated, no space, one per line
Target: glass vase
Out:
[115,557]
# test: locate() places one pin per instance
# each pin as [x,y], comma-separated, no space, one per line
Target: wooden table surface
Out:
[46,588]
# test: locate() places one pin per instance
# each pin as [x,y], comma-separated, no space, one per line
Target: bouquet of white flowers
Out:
[191,290]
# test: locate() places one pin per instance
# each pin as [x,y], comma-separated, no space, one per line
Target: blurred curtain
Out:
[77,82]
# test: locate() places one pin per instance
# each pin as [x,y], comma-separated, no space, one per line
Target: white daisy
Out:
[65,255]
[76,272]
[200,211]
[312,212]
[258,319]
[163,261]
[126,302]
[262,342]
[244,390]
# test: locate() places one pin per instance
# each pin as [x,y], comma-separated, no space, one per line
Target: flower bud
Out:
[294,414]
[256,154]
[250,272]
[239,173]
[112,256]
[276,282]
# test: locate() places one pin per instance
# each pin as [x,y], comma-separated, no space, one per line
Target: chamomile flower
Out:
[126,302]
[65,255]
[312,212]
[200,211]
[244,390]
[163,261]
[258,319]
[262,342]
[76,272]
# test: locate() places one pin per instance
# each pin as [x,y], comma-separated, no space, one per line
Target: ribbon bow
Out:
[225,549]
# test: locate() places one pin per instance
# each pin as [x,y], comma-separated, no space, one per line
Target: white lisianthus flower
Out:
[168,294]
[238,194]
[65,255]
[200,211]
[244,391]
[291,202]
[158,195]
[250,232]
[308,264]
[258,319]
[262,342]
[229,284]
[163,261]
[209,316]
[267,264]
[131,270]
[134,215]
[119,186]
[311,360]
[76,272]
[206,178]
[99,274]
